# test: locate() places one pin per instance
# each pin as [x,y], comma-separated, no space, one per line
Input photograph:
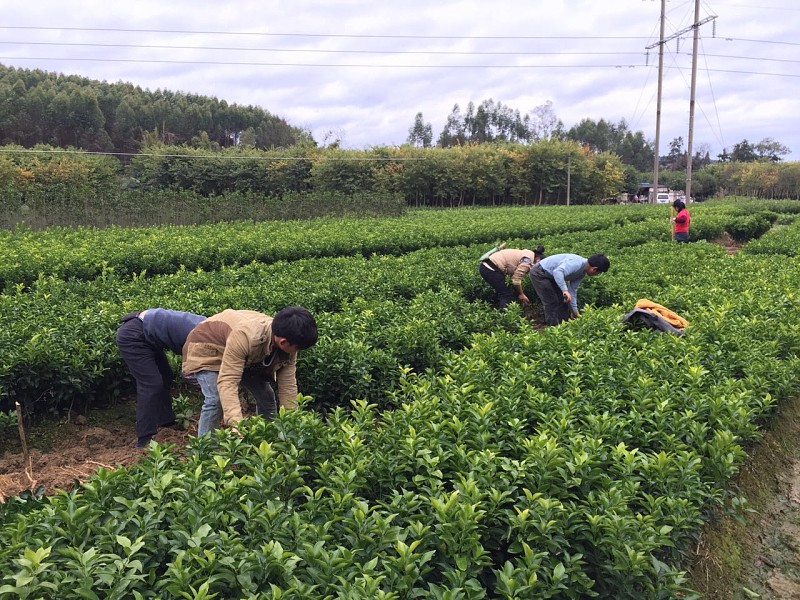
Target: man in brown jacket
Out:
[248,348]
[509,262]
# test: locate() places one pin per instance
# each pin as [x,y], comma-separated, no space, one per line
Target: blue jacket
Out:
[167,328]
[568,270]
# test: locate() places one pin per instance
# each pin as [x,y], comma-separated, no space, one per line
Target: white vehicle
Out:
[662,198]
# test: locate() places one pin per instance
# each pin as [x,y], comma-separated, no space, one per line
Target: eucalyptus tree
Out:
[420,134]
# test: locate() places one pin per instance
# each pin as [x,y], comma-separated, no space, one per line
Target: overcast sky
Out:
[360,71]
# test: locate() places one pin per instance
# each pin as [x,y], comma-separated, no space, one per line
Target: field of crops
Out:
[444,450]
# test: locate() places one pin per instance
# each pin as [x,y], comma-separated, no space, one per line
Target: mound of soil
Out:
[73,450]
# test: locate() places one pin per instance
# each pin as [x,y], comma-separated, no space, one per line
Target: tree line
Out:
[493,121]
[39,107]
[195,145]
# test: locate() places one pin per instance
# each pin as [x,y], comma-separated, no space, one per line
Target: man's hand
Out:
[567,296]
[235,429]
[524,299]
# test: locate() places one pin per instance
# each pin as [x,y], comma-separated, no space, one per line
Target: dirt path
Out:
[755,553]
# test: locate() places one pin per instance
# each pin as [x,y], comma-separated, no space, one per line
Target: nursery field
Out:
[443,449]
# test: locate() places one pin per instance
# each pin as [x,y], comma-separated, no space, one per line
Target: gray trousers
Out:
[555,309]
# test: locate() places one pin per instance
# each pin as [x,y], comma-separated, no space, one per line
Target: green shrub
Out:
[749,227]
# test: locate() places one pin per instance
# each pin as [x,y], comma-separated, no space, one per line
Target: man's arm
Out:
[523,268]
[573,293]
[234,359]
[566,269]
[286,378]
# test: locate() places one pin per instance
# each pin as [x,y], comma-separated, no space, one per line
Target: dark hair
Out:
[679,204]
[600,262]
[539,251]
[297,325]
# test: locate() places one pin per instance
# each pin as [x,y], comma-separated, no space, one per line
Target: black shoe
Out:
[143,441]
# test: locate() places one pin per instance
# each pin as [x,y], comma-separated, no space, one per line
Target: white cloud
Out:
[587,57]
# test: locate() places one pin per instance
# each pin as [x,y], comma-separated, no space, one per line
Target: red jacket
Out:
[682,221]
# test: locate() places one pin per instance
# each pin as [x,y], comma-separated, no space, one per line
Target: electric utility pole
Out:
[661,42]
[689,153]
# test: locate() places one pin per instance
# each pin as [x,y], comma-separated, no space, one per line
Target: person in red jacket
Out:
[681,221]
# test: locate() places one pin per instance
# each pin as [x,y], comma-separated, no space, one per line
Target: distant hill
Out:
[68,110]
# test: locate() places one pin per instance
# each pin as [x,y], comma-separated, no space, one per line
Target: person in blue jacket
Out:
[142,339]
[556,280]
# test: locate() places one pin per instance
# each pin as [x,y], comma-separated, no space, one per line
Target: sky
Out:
[359,71]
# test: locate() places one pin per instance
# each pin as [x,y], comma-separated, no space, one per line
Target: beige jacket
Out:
[230,341]
[671,317]
[514,262]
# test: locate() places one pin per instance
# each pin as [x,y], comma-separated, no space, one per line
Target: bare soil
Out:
[727,242]
[65,452]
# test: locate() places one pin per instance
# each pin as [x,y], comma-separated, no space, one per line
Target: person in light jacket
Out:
[556,280]
[248,348]
[142,339]
[509,262]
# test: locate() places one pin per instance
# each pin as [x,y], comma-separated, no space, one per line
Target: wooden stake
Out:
[671,224]
[25,454]
[21,428]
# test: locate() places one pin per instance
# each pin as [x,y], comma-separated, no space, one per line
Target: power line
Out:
[720,138]
[271,64]
[329,35]
[731,39]
[377,36]
[758,58]
[314,50]
[762,7]
[379,66]
[423,52]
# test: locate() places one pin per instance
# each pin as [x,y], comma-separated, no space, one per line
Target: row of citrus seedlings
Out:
[572,462]
[58,339]
[58,348]
[85,253]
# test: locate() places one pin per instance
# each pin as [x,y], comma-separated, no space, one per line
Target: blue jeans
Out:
[211,412]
